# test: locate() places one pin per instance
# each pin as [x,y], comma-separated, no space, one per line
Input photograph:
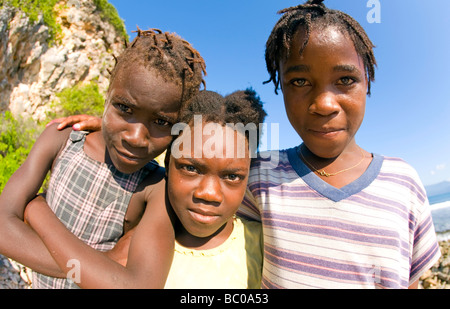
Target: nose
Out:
[325,104]
[209,190]
[137,135]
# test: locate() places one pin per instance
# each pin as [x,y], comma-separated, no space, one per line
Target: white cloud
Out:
[440,167]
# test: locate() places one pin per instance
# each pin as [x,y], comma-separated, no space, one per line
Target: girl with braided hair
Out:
[213,248]
[333,214]
[103,183]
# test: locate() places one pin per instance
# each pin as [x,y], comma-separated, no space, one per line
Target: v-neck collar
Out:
[327,190]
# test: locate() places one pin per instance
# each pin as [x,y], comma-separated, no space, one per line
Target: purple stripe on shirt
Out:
[406,181]
[334,229]
[349,271]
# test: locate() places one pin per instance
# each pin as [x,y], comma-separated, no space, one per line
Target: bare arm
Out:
[150,254]
[18,240]
[415,285]
[79,122]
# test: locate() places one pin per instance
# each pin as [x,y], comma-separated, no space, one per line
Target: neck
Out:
[338,171]
[184,238]
[95,147]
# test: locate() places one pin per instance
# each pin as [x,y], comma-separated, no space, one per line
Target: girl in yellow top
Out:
[207,179]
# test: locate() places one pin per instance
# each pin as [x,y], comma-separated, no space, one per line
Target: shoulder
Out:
[275,166]
[153,184]
[51,141]
[398,169]
[397,165]
[399,177]
[56,136]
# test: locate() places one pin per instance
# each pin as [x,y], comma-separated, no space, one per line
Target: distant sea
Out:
[440,211]
[439,198]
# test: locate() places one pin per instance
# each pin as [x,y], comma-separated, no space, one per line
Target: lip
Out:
[129,157]
[326,132]
[202,216]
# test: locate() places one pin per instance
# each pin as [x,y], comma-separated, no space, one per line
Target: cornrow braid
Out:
[242,106]
[173,58]
[314,13]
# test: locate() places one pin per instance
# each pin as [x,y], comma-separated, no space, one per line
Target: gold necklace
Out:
[325,174]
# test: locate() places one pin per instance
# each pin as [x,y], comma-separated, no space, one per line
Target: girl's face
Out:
[324,91]
[139,112]
[204,192]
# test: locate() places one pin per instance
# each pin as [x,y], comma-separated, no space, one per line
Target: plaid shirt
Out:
[90,198]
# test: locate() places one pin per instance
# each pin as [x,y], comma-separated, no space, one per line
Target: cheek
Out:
[162,143]
[295,114]
[179,191]
[234,200]
[356,114]
[112,123]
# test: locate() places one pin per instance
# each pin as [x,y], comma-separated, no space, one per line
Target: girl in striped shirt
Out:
[334,215]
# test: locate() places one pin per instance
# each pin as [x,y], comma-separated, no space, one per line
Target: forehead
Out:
[211,140]
[145,87]
[327,45]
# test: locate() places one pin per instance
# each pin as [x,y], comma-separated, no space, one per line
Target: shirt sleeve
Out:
[249,207]
[426,250]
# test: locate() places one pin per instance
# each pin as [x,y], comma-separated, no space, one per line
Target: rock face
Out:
[33,68]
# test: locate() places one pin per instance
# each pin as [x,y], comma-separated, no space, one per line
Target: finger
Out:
[66,123]
[93,124]
[58,120]
[71,121]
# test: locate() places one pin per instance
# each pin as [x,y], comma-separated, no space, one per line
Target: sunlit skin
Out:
[206,192]
[324,91]
[139,112]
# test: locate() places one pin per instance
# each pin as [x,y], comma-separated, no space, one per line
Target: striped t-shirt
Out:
[376,232]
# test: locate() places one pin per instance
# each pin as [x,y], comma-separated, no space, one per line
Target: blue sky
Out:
[408,113]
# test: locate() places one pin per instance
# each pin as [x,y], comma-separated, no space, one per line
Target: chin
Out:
[200,233]
[326,150]
[127,169]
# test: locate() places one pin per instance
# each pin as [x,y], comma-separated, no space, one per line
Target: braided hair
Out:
[242,106]
[306,16]
[173,58]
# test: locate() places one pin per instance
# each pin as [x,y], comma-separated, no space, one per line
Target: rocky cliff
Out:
[35,64]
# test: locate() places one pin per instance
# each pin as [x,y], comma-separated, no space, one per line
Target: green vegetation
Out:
[109,13]
[33,8]
[80,99]
[17,136]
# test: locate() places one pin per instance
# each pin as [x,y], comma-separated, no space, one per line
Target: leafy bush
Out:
[109,13]
[17,136]
[33,9]
[80,99]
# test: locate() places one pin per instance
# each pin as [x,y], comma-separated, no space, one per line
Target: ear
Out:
[366,83]
[167,159]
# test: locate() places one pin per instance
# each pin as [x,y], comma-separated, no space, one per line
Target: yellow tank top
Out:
[235,264]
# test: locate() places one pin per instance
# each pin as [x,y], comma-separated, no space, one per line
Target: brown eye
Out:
[300,82]
[122,108]
[189,168]
[162,122]
[347,81]
[234,178]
